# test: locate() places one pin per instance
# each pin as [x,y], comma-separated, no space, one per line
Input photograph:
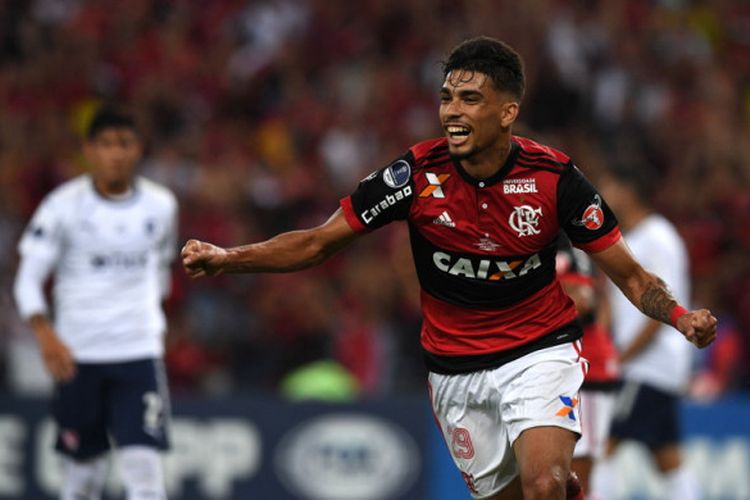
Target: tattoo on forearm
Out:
[657,301]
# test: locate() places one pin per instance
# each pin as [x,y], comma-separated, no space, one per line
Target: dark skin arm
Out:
[286,252]
[650,294]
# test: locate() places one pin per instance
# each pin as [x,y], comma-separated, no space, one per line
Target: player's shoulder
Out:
[155,192]
[431,152]
[535,155]
[68,191]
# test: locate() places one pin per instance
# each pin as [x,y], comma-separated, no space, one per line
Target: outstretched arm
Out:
[652,296]
[291,251]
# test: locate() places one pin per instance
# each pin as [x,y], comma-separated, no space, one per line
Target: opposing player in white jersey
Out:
[108,238]
[655,362]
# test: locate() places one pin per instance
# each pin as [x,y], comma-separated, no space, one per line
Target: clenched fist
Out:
[699,327]
[202,259]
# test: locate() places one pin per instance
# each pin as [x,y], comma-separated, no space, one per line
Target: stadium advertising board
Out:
[239,449]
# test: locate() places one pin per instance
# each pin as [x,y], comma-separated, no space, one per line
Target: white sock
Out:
[142,473]
[84,480]
[681,485]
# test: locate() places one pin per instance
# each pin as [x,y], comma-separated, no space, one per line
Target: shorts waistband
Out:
[454,365]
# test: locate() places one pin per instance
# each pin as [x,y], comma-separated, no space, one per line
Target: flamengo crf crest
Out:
[525,219]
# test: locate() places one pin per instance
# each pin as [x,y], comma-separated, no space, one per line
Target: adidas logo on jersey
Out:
[444,219]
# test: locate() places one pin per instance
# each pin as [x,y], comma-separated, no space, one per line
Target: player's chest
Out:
[124,227]
[513,216]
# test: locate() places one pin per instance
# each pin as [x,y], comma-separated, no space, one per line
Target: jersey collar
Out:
[135,193]
[498,176]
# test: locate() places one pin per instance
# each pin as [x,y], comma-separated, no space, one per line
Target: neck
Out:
[487,163]
[114,190]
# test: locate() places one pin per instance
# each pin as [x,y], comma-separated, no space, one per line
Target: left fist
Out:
[699,327]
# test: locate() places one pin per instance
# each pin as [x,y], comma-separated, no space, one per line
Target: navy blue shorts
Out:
[127,402]
[646,415]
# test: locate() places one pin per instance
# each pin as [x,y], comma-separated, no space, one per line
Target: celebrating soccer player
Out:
[500,337]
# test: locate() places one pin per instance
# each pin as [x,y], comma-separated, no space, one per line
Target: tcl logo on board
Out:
[348,457]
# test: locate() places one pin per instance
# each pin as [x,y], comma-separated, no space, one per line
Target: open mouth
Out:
[457,134]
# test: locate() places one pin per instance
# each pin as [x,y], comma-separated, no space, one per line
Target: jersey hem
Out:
[119,357]
[455,365]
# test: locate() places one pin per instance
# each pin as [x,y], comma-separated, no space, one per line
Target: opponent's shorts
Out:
[127,402]
[596,418]
[647,415]
[481,414]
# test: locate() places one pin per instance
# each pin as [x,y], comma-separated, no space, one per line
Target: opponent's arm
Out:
[652,296]
[641,341]
[291,251]
[32,306]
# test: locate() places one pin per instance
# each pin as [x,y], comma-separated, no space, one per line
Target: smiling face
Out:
[475,115]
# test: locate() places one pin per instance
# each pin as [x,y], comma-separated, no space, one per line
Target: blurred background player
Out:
[108,237]
[597,395]
[656,363]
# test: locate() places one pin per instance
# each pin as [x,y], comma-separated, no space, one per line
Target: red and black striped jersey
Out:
[484,249]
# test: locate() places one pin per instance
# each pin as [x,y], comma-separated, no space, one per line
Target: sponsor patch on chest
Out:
[485,269]
[519,186]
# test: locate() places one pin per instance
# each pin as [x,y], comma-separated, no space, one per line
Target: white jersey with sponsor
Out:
[110,260]
[665,363]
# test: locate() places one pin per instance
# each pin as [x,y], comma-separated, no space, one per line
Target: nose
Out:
[450,108]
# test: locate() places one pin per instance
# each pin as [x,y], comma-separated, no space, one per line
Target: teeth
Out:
[453,129]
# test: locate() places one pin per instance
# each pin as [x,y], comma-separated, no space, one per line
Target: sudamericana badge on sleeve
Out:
[397,174]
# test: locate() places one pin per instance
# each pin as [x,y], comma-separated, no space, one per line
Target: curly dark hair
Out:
[494,58]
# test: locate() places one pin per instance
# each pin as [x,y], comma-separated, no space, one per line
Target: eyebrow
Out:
[462,92]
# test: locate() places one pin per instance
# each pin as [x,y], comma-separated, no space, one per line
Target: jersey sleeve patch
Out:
[42,236]
[584,215]
[382,197]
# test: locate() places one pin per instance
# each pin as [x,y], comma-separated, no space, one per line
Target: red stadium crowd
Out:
[261,115]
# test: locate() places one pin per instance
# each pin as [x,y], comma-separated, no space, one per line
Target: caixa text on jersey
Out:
[485,269]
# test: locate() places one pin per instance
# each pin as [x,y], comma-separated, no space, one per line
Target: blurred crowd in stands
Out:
[262,114]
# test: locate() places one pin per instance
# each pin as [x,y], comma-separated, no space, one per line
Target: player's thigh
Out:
[545,450]
[139,404]
[512,491]
[466,408]
[542,409]
[78,408]
[544,391]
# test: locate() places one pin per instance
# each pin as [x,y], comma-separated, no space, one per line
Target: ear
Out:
[509,114]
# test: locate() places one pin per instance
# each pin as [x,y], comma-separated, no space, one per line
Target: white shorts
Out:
[596,416]
[481,414]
